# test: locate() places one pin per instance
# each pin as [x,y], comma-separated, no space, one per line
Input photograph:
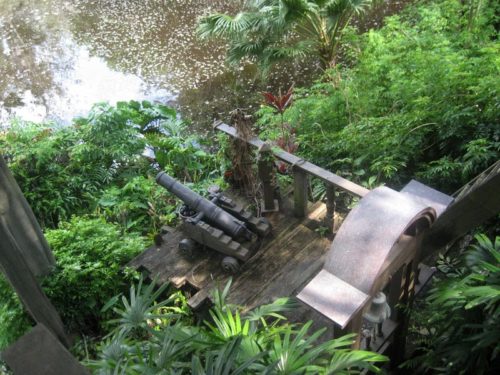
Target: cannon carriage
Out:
[218,224]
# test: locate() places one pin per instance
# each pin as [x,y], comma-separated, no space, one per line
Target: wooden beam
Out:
[40,353]
[467,212]
[23,225]
[299,192]
[265,166]
[310,168]
[26,285]
[330,206]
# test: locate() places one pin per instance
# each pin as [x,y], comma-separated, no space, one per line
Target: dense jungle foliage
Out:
[417,98]
[94,193]
[269,31]
[458,327]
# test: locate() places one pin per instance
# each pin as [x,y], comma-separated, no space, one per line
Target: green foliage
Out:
[96,166]
[273,30]
[420,101]
[182,155]
[90,255]
[38,157]
[140,205]
[258,342]
[14,320]
[63,170]
[95,169]
[461,320]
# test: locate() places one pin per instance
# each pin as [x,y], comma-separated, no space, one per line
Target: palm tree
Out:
[273,30]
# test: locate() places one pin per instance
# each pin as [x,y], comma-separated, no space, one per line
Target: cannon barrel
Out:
[213,213]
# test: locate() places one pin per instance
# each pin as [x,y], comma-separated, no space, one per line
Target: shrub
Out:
[459,327]
[90,255]
[141,205]
[63,170]
[157,338]
[418,102]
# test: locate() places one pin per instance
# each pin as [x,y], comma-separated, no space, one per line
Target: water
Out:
[59,57]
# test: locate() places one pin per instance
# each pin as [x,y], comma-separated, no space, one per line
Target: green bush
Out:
[459,326]
[63,170]
[420,101]
[141,205]
[183,155]
[90,254]
[14,322]
[95,168]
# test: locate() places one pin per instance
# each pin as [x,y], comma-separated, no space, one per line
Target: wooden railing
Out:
[301,169]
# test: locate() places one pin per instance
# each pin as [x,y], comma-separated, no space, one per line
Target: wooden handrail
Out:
[301,164]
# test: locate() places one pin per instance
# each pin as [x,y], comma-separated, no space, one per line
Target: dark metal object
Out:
[219,224]
[230,264]
[187,245]
[212,213]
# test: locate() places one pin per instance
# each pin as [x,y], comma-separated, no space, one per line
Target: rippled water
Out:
[59,57]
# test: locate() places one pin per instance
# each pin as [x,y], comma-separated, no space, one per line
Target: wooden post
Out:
[330,206]
[299,192]
[40,353]
[22,225]
[266,173]
[408,291]
[26,285]
[25,254]
[396,293]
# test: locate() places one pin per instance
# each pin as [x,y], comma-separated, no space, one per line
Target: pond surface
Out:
[59,57]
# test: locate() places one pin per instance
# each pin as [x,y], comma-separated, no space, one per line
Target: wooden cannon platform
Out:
[286,260]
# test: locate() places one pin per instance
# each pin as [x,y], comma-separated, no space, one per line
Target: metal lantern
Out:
[378,312]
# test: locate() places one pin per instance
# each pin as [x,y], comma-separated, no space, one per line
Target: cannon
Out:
[217,223]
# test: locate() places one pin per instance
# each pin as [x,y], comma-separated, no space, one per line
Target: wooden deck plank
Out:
[293,250]
[294,274]
[308,262]
[263,269]
[210,274]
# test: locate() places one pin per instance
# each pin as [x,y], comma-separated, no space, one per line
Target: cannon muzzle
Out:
[212,213]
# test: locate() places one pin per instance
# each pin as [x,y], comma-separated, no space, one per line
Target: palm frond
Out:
[293,352]
[246,48]
[277,53]
[345,361]
[223,25]
[273,309]
[140,307]
[293,10]
[223,361]
[335,8]
[227,323]
[219,296]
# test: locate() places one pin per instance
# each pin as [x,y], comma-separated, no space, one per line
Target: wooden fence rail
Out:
[301,168]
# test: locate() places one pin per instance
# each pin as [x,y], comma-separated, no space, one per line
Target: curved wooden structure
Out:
[366,253]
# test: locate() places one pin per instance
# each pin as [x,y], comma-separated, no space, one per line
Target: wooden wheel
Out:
[230,264]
